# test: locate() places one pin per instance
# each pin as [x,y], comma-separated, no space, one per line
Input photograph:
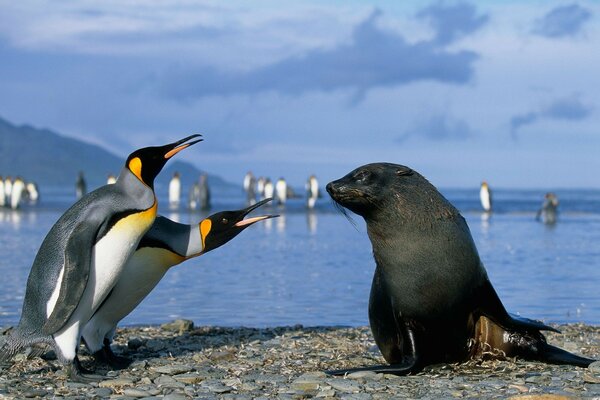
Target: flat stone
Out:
[344,385]
[103,392]
[175,396]
[164,380]
[172,369]
[189,378]
[111,383]
[364,375]
[35,393]
[131,392]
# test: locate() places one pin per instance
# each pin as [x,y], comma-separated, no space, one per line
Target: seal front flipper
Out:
[405,365]
[78,256]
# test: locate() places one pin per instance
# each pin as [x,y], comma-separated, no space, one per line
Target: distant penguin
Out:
[174,191]
[250,188]
[281,191]
[166,244]
[193,196]
[8,188]
[268,190]
[260,188]
[33,192]
[83,255]
[111,179]
[2,194]
[312,191]
[203,193]
[80,186]
[485,195]
[548,213]
[17,193]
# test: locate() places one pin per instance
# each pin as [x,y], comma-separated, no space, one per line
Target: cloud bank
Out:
[562,21]
[451,22]
[374,57]
[566,109]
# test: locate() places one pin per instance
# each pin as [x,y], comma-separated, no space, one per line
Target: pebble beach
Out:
[180,361]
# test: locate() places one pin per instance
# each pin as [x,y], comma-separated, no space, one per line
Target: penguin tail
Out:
[554,355]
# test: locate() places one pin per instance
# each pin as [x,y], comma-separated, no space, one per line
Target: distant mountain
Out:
[51,159]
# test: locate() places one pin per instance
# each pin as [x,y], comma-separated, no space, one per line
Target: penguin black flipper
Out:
[491,306]
[78,256]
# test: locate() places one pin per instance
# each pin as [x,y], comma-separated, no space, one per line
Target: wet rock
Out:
[172,369]
[134,343]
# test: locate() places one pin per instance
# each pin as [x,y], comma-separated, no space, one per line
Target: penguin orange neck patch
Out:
[135,166]
[205,227]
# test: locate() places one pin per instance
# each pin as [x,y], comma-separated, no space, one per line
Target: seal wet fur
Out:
[431,300]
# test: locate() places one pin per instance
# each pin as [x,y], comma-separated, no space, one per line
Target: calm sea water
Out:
[315,268]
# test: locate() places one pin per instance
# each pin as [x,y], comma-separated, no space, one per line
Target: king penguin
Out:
[82,256]
[165,245]
[485,195]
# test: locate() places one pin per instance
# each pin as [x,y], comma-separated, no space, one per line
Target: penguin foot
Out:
[76,373]
[106,356]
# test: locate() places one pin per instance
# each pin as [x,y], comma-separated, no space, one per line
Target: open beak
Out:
[180,145]
[249,221]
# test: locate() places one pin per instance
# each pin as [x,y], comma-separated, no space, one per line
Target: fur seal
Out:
[431,300]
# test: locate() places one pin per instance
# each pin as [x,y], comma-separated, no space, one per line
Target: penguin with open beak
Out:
[165,245]
[83,256]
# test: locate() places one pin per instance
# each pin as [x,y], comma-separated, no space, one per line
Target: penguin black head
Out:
[146,163]
[219,228]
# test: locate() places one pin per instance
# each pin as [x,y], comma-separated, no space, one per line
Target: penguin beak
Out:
[242,223]
[176,147]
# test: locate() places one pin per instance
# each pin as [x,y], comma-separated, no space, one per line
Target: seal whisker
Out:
[344,212]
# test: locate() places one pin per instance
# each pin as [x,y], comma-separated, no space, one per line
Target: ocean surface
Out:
[315,268]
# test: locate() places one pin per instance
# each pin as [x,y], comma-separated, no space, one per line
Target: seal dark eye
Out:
[224,220]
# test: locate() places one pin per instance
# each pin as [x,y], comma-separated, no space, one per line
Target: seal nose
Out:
[330,188]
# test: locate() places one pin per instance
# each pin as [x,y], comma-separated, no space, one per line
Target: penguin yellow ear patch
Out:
[135,166]
[205,227]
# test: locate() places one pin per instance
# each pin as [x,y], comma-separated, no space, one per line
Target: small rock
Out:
[594,368]
[344,385]
[589,378]
[179,325]
[164,380]
[175,396]
[189,379]
[76,385]
[155,345]
[309,382]
[134,343]
[218,388]
[326,393]
[364,375]
[135,393]
[172,369]
[35,393]
[111,383]
[103,392]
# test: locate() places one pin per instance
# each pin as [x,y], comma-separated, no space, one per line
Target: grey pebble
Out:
[172,369]
[175,396]
[344,385]
[103,392]
[594,368]
[135,393]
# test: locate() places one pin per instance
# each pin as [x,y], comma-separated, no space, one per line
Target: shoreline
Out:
[179,361]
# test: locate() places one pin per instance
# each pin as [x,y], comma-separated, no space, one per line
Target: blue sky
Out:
[505,91]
